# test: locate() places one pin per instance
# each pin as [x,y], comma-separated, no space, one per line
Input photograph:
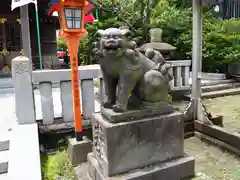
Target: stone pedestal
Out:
[177,169]
[141,149]
[78,150]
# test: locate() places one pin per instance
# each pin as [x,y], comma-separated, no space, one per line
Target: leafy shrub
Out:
[176,26]
[221,45]
[221,38]
[57,166]
[61,43]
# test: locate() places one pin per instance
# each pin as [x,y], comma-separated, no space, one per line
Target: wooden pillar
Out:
[4,39]
[196,56]
[4,36]
[25,32]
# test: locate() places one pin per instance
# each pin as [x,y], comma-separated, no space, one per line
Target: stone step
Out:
[3,161]
[6,83]
[211,76]
[3,176]
[220,93]
[4,140]
[6,90]
[226,92]
[216,82]
[218,87]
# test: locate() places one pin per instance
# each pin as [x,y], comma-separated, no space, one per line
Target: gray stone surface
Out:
[78,150]
[21,69]
[4,140]
[6,83]
[126,146]
[156,35]
[211,76]
[4,157]
[159,46]
[85,72]
[82,171]
[127,71]
[177,169]
[7,111]
[24,151]
[130,115]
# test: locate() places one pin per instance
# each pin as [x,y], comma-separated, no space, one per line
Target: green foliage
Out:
[221,44]
[61,43]
[221,39]
[117,13]
[176,25]
[57,166]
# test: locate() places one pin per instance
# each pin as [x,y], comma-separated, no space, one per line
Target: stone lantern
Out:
[157,44]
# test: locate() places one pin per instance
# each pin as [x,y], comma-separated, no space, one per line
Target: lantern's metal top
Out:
[57,4]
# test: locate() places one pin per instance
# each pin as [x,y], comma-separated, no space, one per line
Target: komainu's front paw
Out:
[107,105]
[118,108]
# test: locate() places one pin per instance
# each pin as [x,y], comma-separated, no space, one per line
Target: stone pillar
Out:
[141,146]
[22,82]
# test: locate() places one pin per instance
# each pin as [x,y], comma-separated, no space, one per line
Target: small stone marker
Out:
[78,150]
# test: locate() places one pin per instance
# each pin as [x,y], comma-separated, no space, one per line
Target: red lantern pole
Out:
[72,35]
[73,42]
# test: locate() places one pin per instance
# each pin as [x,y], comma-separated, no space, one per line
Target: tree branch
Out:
[113,10]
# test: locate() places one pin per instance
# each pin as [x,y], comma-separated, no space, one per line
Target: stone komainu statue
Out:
[129,74]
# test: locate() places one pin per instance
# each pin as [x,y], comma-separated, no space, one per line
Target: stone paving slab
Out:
[4,157]
[7,111]
[3,176]
[4,140]
[6,83]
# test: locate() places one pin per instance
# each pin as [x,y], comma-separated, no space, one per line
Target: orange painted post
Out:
[73,42]
[71,19]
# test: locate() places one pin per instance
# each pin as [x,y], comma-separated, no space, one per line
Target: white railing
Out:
[45,79]
[181,73]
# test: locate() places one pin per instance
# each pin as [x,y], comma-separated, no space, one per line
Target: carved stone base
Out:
[122,147]
[149,110]
[181,168]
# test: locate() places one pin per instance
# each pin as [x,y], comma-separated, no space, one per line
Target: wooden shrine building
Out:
[10,35]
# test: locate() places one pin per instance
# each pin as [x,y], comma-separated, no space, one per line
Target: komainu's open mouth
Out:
[112,49]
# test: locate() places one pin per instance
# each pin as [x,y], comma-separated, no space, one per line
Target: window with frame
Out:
[73,18]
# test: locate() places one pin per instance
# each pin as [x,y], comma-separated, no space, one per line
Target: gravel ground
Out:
[211,162]
[229,108]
